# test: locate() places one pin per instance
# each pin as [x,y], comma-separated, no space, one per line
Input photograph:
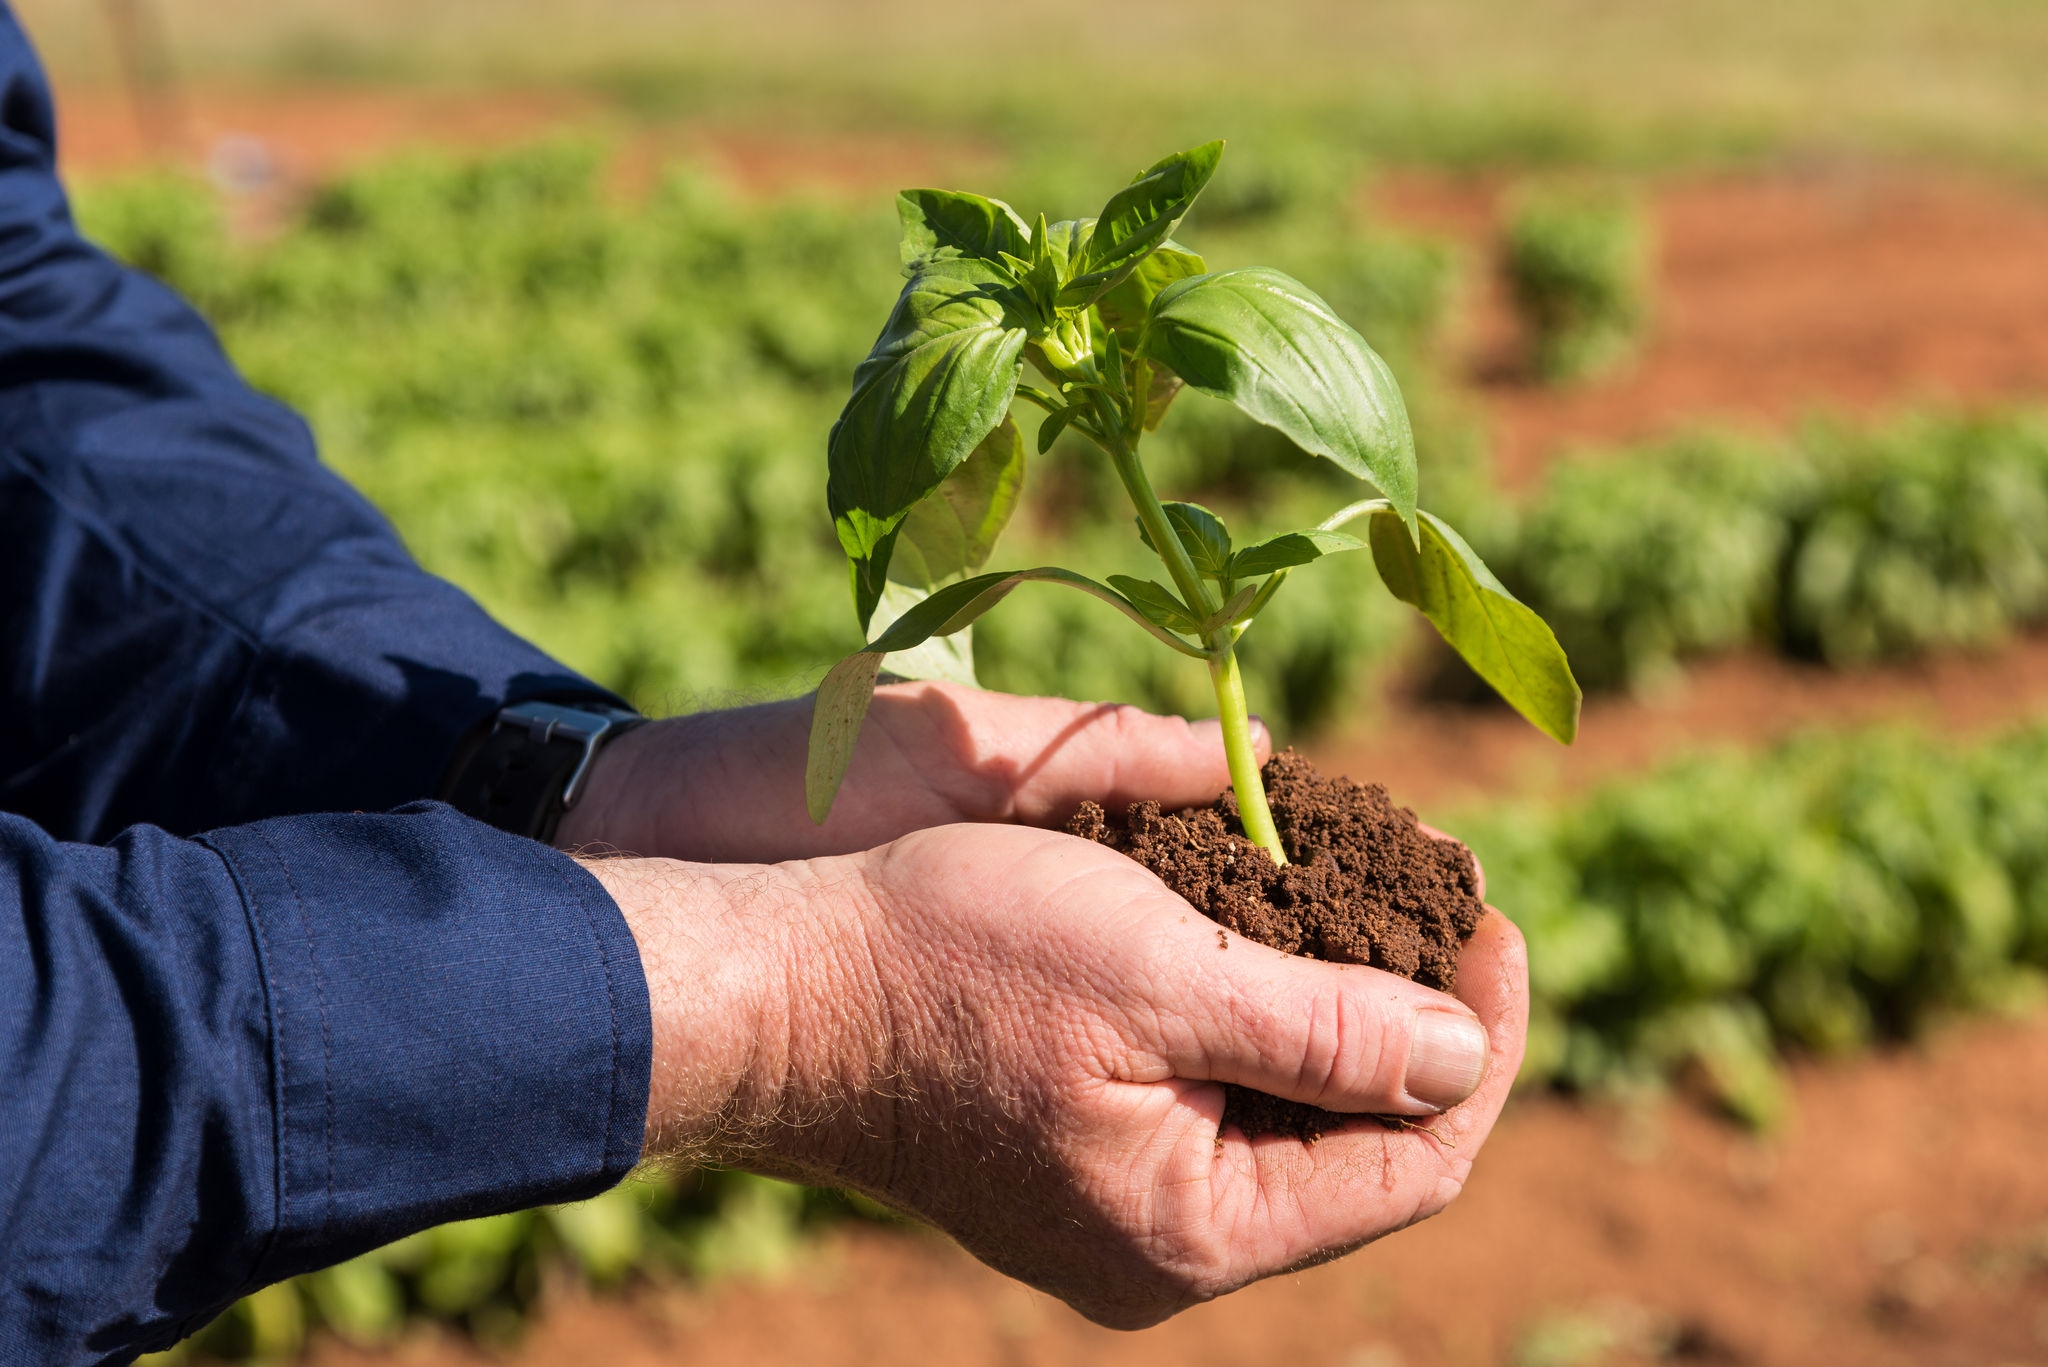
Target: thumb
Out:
[1341,1036]
[1113,754]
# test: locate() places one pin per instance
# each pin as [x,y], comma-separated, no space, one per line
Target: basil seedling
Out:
[1113,317]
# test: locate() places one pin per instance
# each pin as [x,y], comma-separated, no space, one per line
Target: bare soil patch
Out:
[1901,1218]
[1847,289]
[1436,756]
[307,135]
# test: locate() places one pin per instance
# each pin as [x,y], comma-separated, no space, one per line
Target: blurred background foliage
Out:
[601,409]
[605,419]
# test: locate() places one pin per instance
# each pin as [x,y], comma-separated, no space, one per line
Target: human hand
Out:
[729,786]
[1018,1036]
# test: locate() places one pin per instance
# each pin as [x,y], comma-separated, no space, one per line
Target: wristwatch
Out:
[529,766]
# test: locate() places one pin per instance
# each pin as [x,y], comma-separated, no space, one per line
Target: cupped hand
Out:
[1020,1037]
[729,786]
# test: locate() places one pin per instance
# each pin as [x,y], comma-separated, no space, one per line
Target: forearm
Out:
[759,993]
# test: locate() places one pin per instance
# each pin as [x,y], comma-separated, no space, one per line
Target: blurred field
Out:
[1461,80]
[573,293]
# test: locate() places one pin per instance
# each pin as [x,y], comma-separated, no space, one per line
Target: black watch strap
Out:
[528,767]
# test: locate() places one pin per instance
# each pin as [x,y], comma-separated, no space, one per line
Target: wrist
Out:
[710,786]
[759,996]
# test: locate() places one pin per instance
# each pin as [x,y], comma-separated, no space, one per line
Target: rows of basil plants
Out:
[605,419]
[1841,544]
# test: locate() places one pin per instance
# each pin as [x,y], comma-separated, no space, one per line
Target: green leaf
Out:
[1239,606]
[1159,395]
[1157,602]
[953,529]
[1202,533]
[1067,238]
[942,224]
[1144,213]
[947,535]
[1289,549]
[1054,424]
[837,711]
[1506,644]
[1269,345]
[843,696]
[940,657]
[938,380]
[1125,307]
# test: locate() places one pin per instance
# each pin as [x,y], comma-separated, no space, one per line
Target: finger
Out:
[1341,1036]
[1478,869]
[1036,759]
[1283,1204]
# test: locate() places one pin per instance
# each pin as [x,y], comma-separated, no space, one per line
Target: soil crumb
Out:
[1365,885]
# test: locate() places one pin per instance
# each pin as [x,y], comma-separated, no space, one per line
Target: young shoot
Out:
[1113,317]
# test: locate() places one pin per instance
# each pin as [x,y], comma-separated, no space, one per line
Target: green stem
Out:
[1223,671]
[1244,760]
[1153,518]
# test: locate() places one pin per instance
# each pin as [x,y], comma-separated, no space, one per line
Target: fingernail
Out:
[1260,735]
[1446,1058]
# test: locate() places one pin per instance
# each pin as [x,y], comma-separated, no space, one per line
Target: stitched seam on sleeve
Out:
[326,1033]
[277,1109]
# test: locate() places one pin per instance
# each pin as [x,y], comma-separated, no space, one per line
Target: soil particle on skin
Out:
[1364,885]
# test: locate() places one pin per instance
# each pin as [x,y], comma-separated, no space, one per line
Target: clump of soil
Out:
[1365,885]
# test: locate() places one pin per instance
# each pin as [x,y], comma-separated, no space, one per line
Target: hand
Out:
[1018,1036]
[729,786]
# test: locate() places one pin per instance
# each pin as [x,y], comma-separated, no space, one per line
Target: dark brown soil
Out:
[1365,885]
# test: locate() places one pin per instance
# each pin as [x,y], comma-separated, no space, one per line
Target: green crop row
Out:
[486,1276]
[1834,892]
[1844,545]
[606,418]
[1578,267]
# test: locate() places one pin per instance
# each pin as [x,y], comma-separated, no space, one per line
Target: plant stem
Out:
[1231,710]
[1153,518]
[1244,760]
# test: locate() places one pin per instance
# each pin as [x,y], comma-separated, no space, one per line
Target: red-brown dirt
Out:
[1840,288]
[1901,1218]
[311,134]
[1434,757]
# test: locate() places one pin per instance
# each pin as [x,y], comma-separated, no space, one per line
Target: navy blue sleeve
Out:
[243,1039]
[203,625]
[236,1058]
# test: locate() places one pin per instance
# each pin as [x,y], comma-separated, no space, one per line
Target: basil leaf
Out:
[1239,606]
[1068,238]
[847,688]
[1506,644]
[1157,602]
[1289,549]
[939,379]
[940,657]
[1144,213]
[952,529]
[1202,533]
[942,224]
[1159,394]
[1125,307]
[837,711]
[1054,424]
[1268,344]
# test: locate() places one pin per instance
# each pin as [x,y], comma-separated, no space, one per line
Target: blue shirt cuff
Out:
[461,1024]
